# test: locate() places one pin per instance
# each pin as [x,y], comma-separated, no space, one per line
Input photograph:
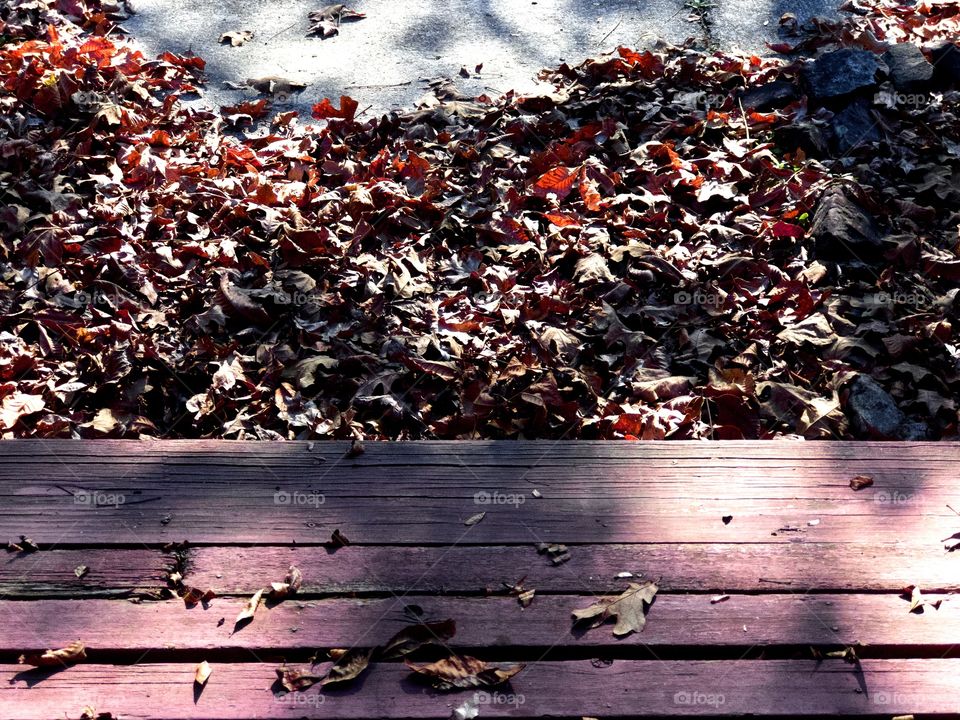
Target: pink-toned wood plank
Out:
[486,624]
[422,492]
[795,567]
[560,689]
[111,572]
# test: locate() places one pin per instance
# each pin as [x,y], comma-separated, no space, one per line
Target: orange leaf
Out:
[558,181]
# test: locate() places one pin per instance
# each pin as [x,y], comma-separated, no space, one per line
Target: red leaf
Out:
[785,229]
[325,109]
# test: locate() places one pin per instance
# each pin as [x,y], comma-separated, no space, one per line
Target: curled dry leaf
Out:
[629,608]
[338,540]
[474,519]
[357,448]
[74,652]
[719,599]
[81,571]
[416,636]
[290,585]
[193,595]
[460,672]
[246,615]
[202,673]
[297,679]
[917,601]
[861,481]
[349,666]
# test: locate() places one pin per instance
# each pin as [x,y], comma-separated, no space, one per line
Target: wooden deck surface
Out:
[806,565]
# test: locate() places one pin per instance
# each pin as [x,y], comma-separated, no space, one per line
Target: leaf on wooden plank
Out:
[526,597]
[474,519]
[88,712]
[27,545]
[917,601]
[357,448]
[338,540]
[202,673]
[193,595]
[246,615]
[416,636]
[719,599]
[459,672]
[861,481]
[74,652]
[296,679]
[236,38]
[81,571]
[630,609]
[348,666]
[848,654]
[290,585]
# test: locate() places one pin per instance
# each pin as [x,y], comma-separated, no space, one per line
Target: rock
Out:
[852,127]
[774,94]
[805,136]
[841,228]
[917,430]
[872,410]
[909,69]
[946,64]
[841,72]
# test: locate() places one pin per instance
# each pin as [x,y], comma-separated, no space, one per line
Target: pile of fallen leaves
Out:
[670,245]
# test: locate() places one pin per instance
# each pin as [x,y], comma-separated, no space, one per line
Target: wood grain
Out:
[483,624]
[222,492]
[623,688]
[728,567]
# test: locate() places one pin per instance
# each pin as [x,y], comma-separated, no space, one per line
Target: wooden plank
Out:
[557,689]
[423,492]
[881,622]
[51,573]
[727,567]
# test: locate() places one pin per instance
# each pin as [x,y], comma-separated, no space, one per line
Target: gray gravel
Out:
[383,60]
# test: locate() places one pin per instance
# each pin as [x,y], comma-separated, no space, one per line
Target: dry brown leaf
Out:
[296,679]
[861,481]
[81,571]
[202,673]
[74,652]
[338,540]
[349,665]
[416,636]
[917,601]
[290,585]
[246,615]
[357,448]
[236,38]
[458,672]
[629,608]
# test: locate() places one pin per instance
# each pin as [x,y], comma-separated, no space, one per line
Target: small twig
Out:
[776,582]
[377,87]
[746,125]
[954,511]
[604,38]
[281,32]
